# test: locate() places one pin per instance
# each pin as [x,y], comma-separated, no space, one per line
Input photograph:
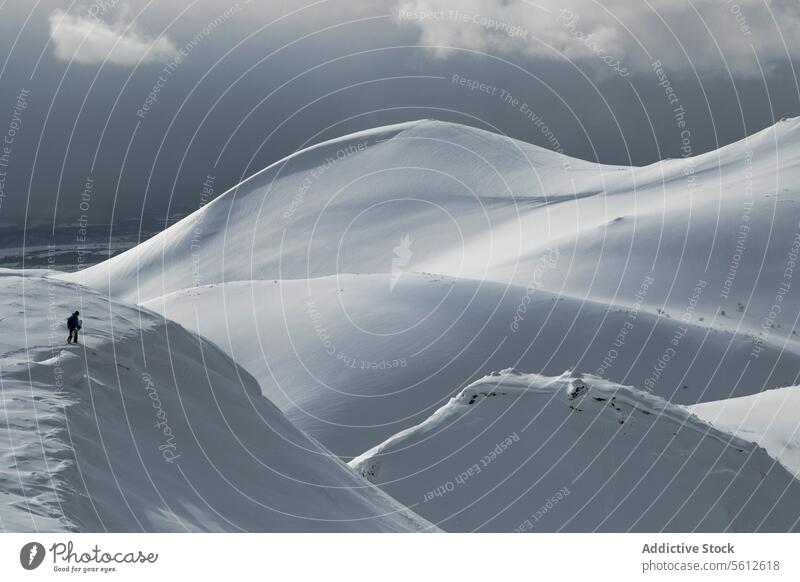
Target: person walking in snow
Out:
[74,323]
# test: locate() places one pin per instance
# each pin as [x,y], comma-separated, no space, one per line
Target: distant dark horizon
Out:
[71,245]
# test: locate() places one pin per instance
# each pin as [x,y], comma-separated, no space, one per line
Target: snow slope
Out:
[516,452]
[147,427]
[352,360]
[711,241]
[454,251]
[728,218]
[769,419]
[478,205]
[343,205]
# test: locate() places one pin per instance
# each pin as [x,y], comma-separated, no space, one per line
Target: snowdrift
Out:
[353,360]
[147,427]
[518,452]
[769,419]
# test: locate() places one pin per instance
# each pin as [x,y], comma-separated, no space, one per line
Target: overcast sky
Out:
[144,100]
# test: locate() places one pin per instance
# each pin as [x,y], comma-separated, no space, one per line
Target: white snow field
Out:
[517,452]
[145,426]
[343,205]
[352,362]
[770,419]
[479,205]
[366,280]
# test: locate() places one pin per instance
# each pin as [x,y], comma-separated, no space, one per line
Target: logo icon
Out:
[402,256]
[31,555]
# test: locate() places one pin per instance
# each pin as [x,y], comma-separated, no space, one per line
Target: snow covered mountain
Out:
[367,280]
[478,205]
[352,361]
[145,426]
[343,205]
[699,241]
[517,452]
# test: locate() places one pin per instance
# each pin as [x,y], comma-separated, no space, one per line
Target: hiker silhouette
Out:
[74,324]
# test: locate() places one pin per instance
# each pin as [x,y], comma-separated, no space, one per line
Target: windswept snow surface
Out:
[518,452]
[711,242]
[478,205]
[353,360]
[342,207]
[366,280]
[145,426]
[770,419]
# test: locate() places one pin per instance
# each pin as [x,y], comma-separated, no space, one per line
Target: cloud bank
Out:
[744,35]
[89,40]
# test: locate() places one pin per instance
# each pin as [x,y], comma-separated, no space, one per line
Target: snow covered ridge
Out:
[412,174]
[523,452]
[324,350]
[769,419]
[483,206]
[457,251]
[144,426]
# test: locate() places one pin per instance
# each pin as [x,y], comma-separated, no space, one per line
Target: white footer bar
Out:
[461,557]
